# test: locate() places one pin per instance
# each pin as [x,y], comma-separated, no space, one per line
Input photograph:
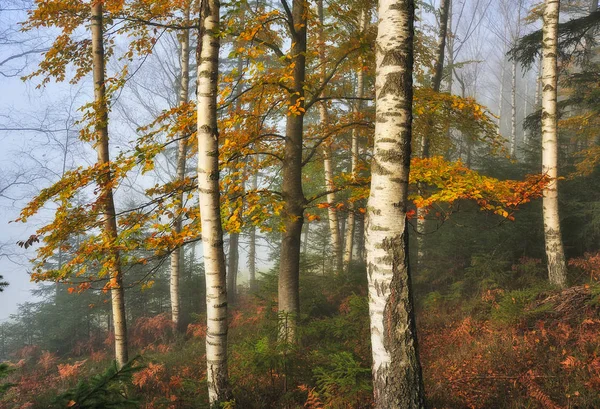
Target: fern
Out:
[106,390]
[536,393]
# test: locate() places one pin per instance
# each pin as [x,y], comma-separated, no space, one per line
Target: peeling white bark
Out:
[210,215]
[177,255]
[396,369]
[557,270]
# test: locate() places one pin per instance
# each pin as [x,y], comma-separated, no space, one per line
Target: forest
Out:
[315,204]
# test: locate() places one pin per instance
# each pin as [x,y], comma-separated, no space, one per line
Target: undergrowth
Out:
[500,344]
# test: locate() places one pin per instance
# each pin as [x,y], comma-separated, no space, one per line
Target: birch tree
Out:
[177,255]
[210,215]
[397,381]
[109,221]
[357,107]
[557,270]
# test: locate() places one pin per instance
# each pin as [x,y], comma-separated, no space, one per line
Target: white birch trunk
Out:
[210,215]
[357,107]
[501,101]
[109,221]
[538,86]
[557,271]
[177,255]
[397,379]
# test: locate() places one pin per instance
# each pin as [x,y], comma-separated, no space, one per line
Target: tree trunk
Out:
[525,112]
[305,240]
[334,228]
[109,224]
[397,381]
[252,245]
[436,83]
[450,46]
[233,258]
[438,72]
[360,240]
[513,117]
[292,193]
[177,255]
[210,215]
[357,107]
[538,86]
[501,96]
[557,271]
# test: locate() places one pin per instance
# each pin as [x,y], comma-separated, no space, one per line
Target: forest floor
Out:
[499,349]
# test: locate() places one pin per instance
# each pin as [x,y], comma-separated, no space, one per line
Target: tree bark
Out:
[177,254]
[332,215]
[438,72]
[233,266]
[233,258]
[357,107]
[501,101]
[557,270]
[436,84]
[360,240]
[450,50]
[513,116]
[305,239]
[109,220]
[397,380]
[292,193]
[210,215]
[252,245]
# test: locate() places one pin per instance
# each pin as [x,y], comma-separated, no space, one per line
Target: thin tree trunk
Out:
[252,245]
[357,107]
[210,215]
[513,117]
[501,102]
[525,112]
[450,44]
[233,266]
[305,240]
[397,381]
[438,72]
[177,254]
[109,224]
[436,84]
[332,215]
[557,271]
[360,240]
[233,258]
[292,193]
